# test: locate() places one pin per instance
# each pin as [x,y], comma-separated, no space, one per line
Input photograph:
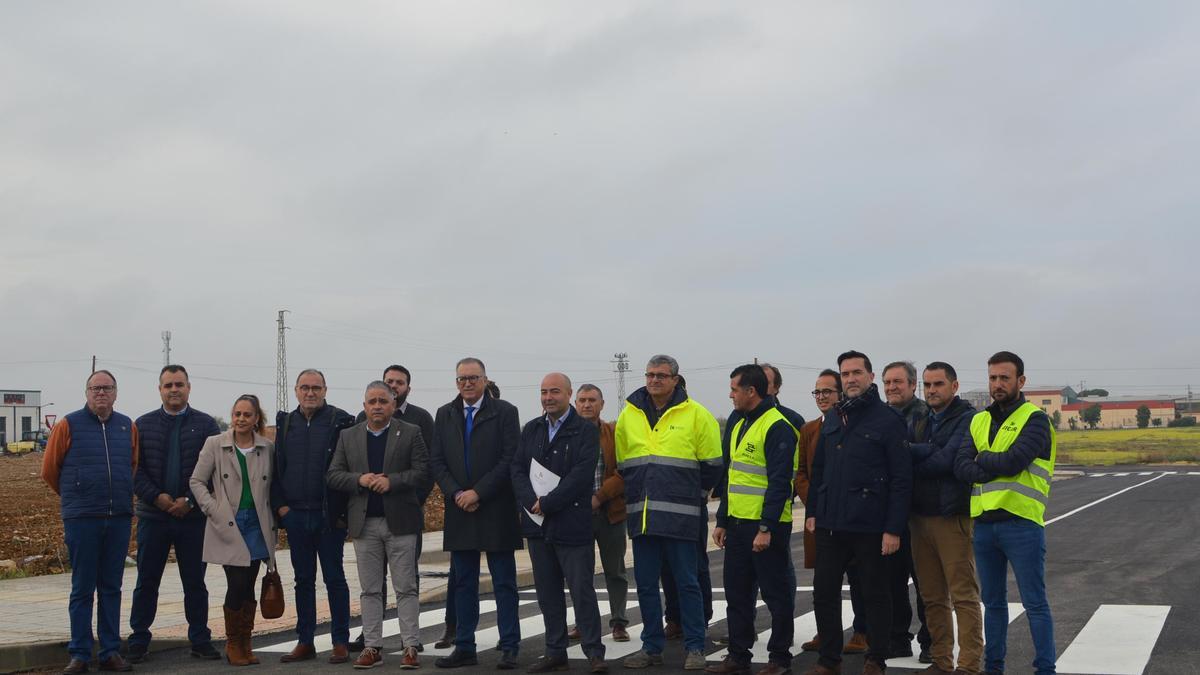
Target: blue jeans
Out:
[310,539]
[649,554]
[155,536]
[503,566]
[451,609]
[96,548]
[1022,543]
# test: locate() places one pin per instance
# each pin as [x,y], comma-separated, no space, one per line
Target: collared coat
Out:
[571,456]
[406,463]
[809,433]
[494,526]
[612,488]
[216,484]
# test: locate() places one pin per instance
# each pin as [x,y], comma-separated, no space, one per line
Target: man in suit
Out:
[474,439]
[381,464]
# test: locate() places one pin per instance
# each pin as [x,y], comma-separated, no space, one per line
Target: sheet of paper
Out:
[543,480]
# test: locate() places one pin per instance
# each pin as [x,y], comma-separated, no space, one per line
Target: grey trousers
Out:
[551,564]
[612,539]
[378,550]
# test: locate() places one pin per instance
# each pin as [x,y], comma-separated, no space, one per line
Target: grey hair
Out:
[471,359]
[664,360]
[591,387]
[908,367]
[379,384]
[310,371]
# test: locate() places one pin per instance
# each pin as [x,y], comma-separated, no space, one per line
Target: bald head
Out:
[556,394]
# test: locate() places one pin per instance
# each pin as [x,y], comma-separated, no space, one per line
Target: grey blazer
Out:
[406,463]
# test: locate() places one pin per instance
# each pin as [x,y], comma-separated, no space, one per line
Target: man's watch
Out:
[188,501]
[763,528]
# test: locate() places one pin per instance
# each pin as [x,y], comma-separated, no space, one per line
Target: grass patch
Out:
[1103,447]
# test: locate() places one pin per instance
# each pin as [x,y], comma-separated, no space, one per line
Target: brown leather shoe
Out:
[368,658]
[813,645]
[597,665]
[818,669]
[447,639]
[574,633]
[116,663]
[76,666]
[673,631]
[410,661]
[341,654]
[856,645]
[934,670]
[300,652]
[872,668]
[620,634]
[728,666]
[774,669]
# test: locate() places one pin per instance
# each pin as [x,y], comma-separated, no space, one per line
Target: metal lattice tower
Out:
[166,338]
[622,361]
[281,392]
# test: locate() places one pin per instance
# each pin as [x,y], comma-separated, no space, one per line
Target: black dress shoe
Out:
[447,638]
[76,666]
[925,656]
[457,659]
[546,664]
[137,653]
[116,664]
[357,644]
[508,661]
[205,651]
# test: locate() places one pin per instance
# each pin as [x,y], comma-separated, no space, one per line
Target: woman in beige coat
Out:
[240,532]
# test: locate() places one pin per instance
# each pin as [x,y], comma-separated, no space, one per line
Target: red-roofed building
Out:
[1121,413]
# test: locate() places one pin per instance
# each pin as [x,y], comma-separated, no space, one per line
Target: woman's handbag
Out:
[271,600]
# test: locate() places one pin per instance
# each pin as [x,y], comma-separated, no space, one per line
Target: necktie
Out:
[467,438]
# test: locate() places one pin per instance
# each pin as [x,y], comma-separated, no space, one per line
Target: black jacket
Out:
[572,456]
[971,466]
[936,491]
[494,526]
[303,451]
[862,472]
[154,430]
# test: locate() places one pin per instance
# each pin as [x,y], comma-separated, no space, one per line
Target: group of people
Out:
[894,488]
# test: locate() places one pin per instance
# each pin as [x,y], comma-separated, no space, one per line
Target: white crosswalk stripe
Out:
[1117,640]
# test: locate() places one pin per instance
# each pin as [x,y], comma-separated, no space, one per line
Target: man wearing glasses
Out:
[90,461]
[474,440]
[313,514]
[669,454]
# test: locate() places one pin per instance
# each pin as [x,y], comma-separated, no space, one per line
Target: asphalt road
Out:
[1121,551]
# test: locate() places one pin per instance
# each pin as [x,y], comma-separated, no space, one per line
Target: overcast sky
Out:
[544,184]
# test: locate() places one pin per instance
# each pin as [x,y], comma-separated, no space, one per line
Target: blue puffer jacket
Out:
[97,473]
[862,471]
[302,456]
[572,456]
[154,432]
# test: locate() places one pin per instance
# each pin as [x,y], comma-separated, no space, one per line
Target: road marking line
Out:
[1097,475]
[1102,499]
[1118,639]
[487,638]
[1145,473]
[1121,474]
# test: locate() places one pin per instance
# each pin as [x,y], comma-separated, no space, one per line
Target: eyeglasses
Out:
[823,393]
[463,379]
[102,388]
[314,388]
[659,376]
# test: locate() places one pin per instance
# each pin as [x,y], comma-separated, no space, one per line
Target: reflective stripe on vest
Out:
[748,468]
[1024,494]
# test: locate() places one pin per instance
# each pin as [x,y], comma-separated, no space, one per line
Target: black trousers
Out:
[900,566]
[239,584]
[835,552]
[746,573]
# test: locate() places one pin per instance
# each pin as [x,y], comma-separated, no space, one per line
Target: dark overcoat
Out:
[494,526]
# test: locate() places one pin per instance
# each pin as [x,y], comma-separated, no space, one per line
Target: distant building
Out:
[20,412]
[1120,412]
[1049,399]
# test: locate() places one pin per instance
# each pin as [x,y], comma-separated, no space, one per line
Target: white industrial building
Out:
[20,411]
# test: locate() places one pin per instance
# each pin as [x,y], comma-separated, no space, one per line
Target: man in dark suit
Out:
[560,544]
[381,464]
[474,440]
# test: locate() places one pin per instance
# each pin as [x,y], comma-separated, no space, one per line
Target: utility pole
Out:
[93,363]
[166,338]
[622,361]
[281,394]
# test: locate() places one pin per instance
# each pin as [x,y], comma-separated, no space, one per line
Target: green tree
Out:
[1056,419]
[1073,424]
[1143,416]
[1102,393]
[1157,421]
[1091,415]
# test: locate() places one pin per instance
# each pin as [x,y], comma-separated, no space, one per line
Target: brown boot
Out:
[233,638]
[856,645]
[813,645]
[249,610]
[872,668]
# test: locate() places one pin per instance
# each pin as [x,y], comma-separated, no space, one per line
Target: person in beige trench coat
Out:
[232,486]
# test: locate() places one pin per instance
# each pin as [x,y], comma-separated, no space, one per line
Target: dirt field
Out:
[30,525]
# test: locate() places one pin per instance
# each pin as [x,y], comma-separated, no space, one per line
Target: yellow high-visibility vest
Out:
[1024,494]
[747,485]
